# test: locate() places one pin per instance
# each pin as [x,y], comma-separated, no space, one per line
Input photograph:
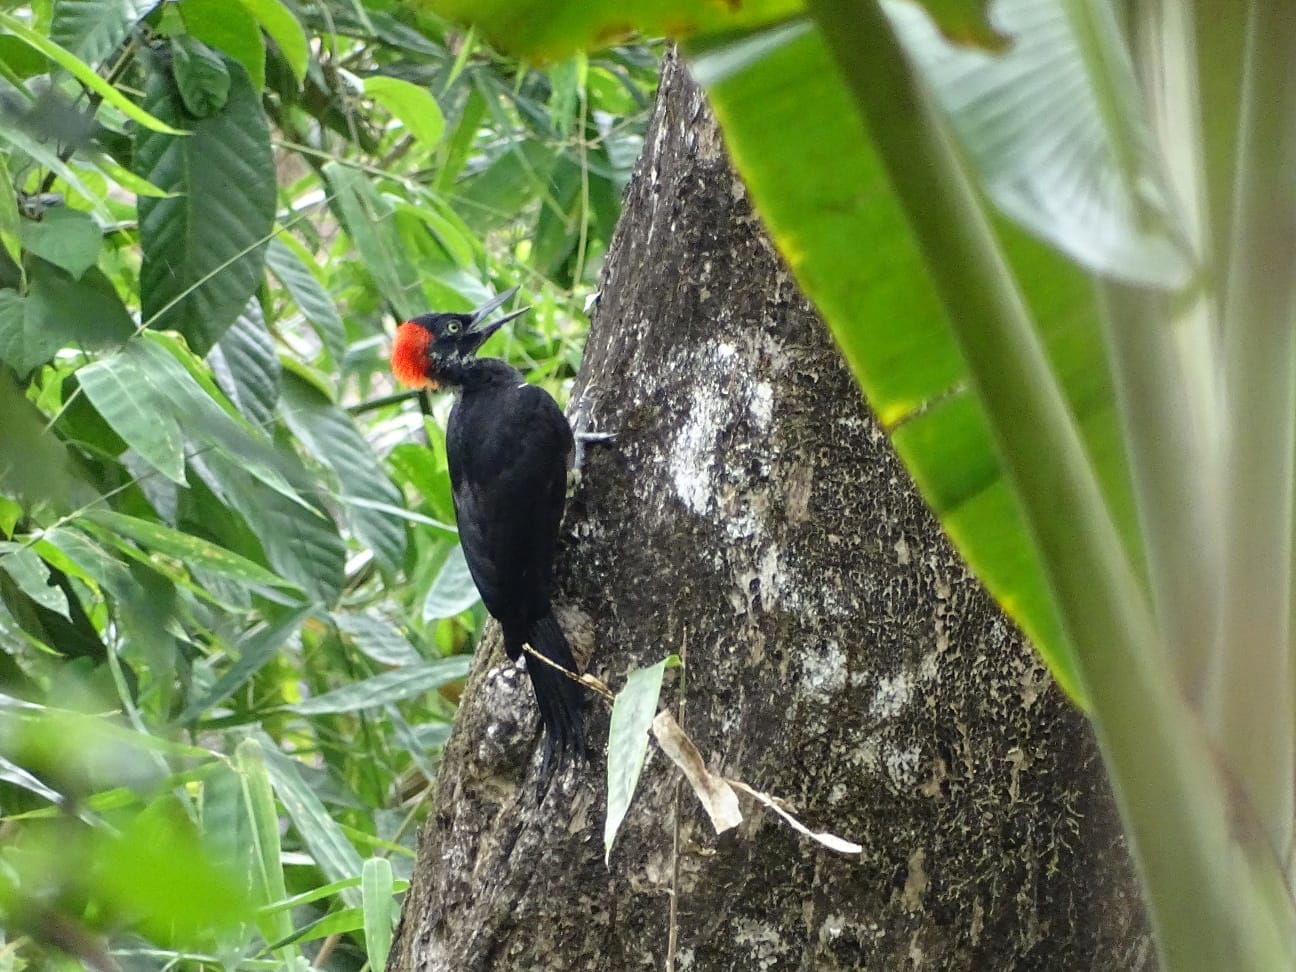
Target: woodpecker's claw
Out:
[578,453]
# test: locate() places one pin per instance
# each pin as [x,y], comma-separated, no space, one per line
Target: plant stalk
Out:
[1253,717]
[1163,353]
[1155,346]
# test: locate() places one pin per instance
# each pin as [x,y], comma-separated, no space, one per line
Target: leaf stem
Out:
[1155,346]
[1252,696]
[1164,351]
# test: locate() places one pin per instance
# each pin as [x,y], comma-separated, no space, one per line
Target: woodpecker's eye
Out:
[452,327]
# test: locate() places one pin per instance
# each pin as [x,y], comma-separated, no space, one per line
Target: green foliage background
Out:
[232,608]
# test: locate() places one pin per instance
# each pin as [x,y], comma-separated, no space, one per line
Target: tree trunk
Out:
[752,517]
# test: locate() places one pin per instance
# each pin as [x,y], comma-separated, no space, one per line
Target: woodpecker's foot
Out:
[581,420]
[584,439]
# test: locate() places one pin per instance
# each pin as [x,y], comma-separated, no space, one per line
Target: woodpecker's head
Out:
[430,340]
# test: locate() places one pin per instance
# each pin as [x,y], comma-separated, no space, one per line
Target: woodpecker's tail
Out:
[560,700]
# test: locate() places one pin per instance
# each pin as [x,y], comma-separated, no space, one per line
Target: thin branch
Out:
[382,401]
[672,930]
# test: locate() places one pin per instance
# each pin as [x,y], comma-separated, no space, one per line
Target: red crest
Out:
[409,358]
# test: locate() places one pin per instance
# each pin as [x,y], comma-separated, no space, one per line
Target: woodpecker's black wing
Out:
[508,446]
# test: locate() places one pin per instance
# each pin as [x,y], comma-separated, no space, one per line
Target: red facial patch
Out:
[409,358]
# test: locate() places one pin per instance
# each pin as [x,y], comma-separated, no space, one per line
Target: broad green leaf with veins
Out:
[204,247]
[93,29]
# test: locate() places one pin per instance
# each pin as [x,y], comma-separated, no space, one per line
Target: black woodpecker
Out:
[509,448]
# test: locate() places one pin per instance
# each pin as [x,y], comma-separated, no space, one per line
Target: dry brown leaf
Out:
[831,841]
[714,793]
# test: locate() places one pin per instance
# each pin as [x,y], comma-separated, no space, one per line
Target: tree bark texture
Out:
[753,517]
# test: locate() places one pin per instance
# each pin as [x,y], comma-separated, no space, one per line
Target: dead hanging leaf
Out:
[714,793]
[831,841]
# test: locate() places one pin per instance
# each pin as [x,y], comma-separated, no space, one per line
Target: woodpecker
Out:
[509,448]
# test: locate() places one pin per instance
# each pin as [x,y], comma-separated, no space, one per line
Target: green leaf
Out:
[254,650]
[60,311]
[459,248]
[204,246]
[32,576]
[396,512]
[402,683]
[966,22]
[446,281]
[14,774]
[547,30]
[632,715]
[493,197]
[157,873]
[308,294]
[300,540]
[128,180]
[285,30]
[411,105]
[201,76]
[378,892]
[365,215]
[453,590]
[331,436]
[229,28]
[424,468]
[20,61]
[246,367]
[377,639]
[34,462]
[333,853]
[153,400]
[463,138]
[30,147]
[566,79]
[226,824]
[76,553]
[13,333]
[10,221]
[11,511]
[267,872]
[315,894]
[66,238]
[207,419]
[85,74]
[336,923]
[142,599]
[558,230]
[94,29]
[190,550]
[127,394]
[1042,141]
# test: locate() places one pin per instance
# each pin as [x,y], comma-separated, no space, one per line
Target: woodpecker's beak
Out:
[480,331]
[492,305]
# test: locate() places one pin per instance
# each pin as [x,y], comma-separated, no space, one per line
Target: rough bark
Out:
[753,517]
